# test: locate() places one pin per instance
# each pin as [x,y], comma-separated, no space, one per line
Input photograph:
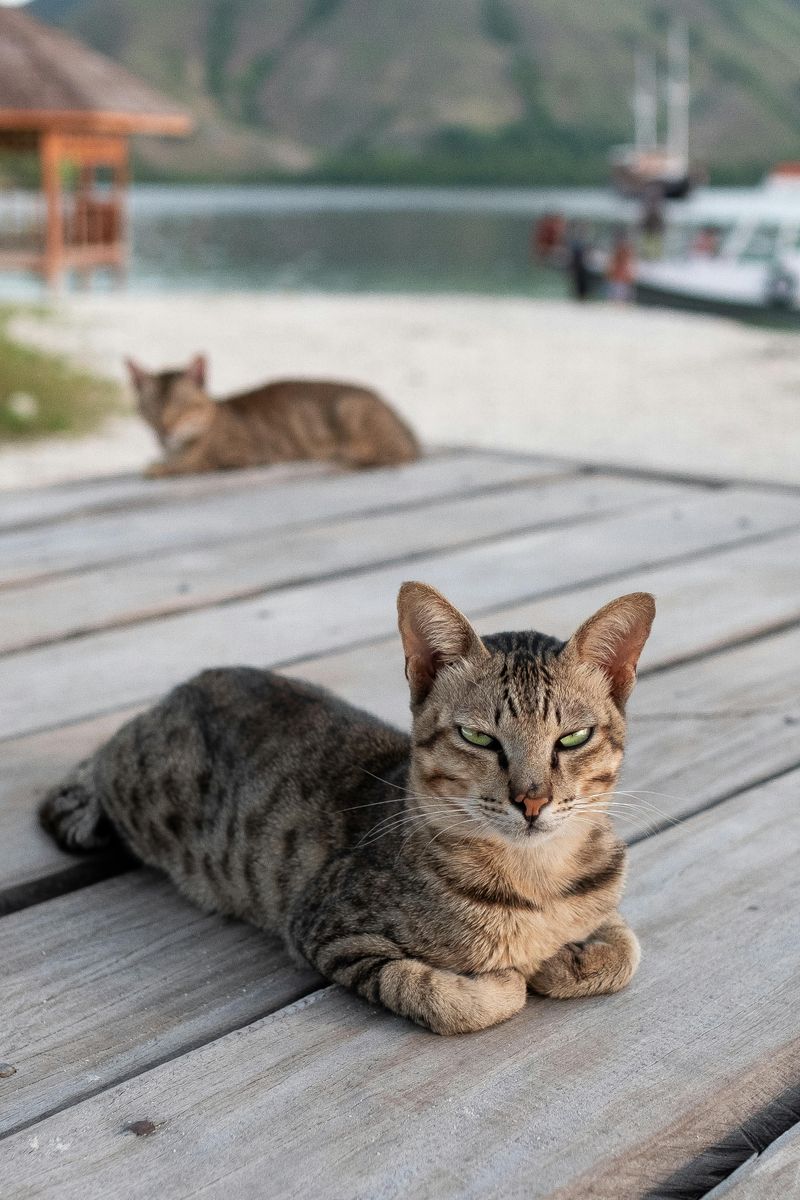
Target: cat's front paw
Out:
[589,968]
[156,470]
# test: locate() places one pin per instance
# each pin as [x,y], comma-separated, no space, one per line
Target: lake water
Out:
[353,239]
[336,239]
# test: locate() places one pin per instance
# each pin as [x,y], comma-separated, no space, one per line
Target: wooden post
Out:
[49,151]
[121,178]
[84,220]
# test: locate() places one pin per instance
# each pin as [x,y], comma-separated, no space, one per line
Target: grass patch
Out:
[42,393]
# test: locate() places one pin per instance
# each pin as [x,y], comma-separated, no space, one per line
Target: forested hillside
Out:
[473,90]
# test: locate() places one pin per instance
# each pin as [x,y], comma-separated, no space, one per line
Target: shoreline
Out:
[633,388]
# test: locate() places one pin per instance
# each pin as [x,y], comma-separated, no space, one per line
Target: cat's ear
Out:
[435,635]
[614,638]
[197,370]
[138,375]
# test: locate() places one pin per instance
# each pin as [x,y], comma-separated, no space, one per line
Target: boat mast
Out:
[645,102]
[678,95]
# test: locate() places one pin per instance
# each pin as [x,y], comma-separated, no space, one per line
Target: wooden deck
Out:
[150,1051]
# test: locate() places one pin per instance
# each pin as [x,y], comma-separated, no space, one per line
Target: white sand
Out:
[629,387]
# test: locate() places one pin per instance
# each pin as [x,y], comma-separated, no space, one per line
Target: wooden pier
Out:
[148,1050]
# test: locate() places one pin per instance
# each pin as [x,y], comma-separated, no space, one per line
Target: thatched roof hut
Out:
[74,106]
[49,80]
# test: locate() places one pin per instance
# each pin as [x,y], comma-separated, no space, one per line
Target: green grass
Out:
[43,394]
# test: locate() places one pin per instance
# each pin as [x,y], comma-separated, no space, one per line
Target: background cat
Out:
[278,422]
[441,874]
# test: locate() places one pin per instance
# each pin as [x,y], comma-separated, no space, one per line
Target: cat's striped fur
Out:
[283,421]
[432,875]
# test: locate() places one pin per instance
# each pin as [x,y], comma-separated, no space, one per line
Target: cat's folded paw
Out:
[588,968]
[447,1002]
[156,470]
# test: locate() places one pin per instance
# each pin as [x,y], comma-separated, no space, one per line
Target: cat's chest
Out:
[522,938]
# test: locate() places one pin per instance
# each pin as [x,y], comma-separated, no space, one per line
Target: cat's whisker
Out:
[446,829]
[402,816]
[391,825]
[622,809]
[380,779]
[395,829]
[372,804]
[636,799]
[405,814]
[655,813]
[634,819]
[622,812]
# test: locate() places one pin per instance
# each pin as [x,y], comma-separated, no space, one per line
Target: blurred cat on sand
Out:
[284,421]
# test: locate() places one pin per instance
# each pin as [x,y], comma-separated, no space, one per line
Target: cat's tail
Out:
[72,813]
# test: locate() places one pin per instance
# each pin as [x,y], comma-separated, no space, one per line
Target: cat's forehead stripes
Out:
[525,675]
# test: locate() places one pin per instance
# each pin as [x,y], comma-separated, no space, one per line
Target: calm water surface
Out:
[326,239]
[359,239]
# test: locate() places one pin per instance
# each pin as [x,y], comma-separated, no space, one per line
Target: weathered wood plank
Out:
[35,506]
[174,582]
[773,1175]
[204,520]
[686,752]
[603,1097]
[134,974]
[697,732]
[67,681]
[701,605]
[29,859]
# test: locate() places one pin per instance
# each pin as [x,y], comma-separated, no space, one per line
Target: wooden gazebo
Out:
[75,110]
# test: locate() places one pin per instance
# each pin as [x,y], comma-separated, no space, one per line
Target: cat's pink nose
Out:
[531,805]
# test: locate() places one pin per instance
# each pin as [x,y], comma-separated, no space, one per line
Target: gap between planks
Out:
[688,630]
[53,609]
[100,495]
[75,916]
[117,668]
[773,1173]
[600,1117]
[83,543]
[758,1160]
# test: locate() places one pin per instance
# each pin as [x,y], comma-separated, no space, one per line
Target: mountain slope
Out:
[516,90]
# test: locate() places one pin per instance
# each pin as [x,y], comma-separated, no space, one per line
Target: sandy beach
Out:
[637,388]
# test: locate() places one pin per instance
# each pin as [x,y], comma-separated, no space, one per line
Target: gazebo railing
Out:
[77,221]
[23,228]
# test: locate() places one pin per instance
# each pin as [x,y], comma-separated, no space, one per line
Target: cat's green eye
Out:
[570,740]
[475,737]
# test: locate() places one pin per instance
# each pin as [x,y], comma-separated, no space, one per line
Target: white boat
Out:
[750,268]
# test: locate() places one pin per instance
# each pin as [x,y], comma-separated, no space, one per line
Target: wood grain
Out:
[133,975]
[82,542]
[68,681]
[742,703]
[685,753]
[195,578]
[24,507]
[599,1098]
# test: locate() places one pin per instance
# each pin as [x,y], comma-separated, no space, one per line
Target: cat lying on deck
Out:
[440,875]
[279,422]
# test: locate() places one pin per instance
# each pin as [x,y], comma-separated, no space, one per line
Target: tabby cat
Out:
[440,875]
[279,422]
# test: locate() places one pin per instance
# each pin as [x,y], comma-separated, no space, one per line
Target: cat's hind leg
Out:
[443,1001]
[73,815]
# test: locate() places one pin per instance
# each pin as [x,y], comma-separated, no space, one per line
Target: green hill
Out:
[523,91]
